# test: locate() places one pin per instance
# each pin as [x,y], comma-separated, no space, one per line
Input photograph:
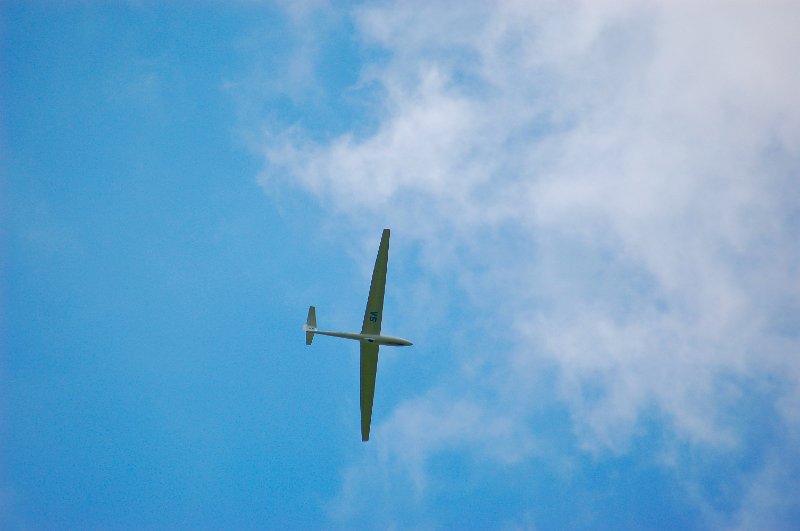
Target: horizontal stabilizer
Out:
[311,324]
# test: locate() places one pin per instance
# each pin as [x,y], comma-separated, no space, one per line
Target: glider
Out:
[370,337]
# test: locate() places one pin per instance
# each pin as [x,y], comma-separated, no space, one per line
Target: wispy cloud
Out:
[643,158]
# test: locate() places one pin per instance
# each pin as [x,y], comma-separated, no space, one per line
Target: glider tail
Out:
[311,325]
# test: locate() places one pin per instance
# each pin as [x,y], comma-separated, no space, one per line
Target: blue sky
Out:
[594,212]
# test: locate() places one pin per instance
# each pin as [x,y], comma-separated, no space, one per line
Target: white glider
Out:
[370,336]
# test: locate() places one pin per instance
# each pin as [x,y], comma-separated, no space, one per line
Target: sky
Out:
[595,212]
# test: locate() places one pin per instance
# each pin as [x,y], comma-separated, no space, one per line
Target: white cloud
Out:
[644,156]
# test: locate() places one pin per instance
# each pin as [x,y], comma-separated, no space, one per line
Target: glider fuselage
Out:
[369,338]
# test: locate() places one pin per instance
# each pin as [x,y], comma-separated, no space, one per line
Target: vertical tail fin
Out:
[311,324]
